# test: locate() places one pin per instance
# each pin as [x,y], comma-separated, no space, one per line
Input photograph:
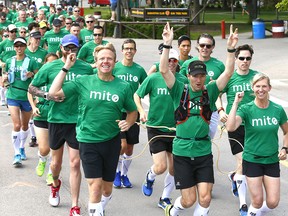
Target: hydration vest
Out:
[12,69]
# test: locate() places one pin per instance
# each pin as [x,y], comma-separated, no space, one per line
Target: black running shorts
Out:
[236,138]
[251,169]
[162,143]
[132,135]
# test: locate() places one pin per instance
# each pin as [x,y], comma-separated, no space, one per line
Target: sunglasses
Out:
[14,31]
[23,32]
[88,21]
[244,58]
[100,35]
[173,60]
[5,36]
[208,46]
[77,11]
[73,49]
[68,23]
[19,45]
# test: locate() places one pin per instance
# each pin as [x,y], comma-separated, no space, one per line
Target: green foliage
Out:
[282,6]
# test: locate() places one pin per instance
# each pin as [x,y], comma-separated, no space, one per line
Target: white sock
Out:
[119,165]
[31,126]
[151,173]
[126,164]
[265,209]
[16,141]
[49,162]
[105,200]
[177,207]
[2,93]
[23,138]
[43,158]
[169,186]
[95,209]
[241,187]
[253,211]
[200,211]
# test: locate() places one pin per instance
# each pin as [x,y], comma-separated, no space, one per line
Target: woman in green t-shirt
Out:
[262,119]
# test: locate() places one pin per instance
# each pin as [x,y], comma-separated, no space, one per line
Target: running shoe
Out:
[117,180]
[3,103]
[147,187]
[40,168]
[164,202]
[54,198]
[23,154]
[243,210]
[49,179]
[33,142]
[75,211]
[126,182]
[234,188]
[17,160]
[168,209]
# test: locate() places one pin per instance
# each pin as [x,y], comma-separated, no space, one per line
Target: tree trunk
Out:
[158,3]
[195,9]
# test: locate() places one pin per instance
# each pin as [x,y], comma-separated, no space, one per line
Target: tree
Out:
[282,6]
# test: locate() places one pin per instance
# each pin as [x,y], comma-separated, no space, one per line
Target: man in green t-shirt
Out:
[23,22]
[44,8]
[98,130]
[160,125]
[240,81]
[184,46]
[86,34]
[134,74]
[3,21]
[87,50]
[192,153]
[62,119]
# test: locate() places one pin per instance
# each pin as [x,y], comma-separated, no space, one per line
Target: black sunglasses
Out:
[243,58]
[89,21]
[6,36]
[68,23]
[97,35]
[73,49]
[208,46]
[14,31]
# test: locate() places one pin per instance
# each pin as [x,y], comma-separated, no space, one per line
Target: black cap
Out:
[57,22]
[197,67]
[35,34]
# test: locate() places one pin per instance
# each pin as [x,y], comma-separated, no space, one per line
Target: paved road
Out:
[24,193]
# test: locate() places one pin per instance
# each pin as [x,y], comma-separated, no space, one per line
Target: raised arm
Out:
[230,60]
[56,87]
[233,121]
[167,36]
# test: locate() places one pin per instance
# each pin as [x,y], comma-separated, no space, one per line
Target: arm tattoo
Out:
[35,91]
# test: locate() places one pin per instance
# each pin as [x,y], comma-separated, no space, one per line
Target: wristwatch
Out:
[46,96]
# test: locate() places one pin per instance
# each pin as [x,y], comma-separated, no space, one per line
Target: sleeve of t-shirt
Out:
[70,88]
[283,116]
[183,69]
[82,52]
[144,88]
[129,103]
[176,92]
[41,77]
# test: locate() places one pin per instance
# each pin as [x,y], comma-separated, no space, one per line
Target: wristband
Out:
[231,50]
[286,149]
[64,70]
[167,46]
[220,109]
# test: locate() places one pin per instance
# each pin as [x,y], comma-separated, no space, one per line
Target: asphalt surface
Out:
[24,193]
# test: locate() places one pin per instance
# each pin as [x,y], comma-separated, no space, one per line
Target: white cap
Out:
[21,40]
[173,54]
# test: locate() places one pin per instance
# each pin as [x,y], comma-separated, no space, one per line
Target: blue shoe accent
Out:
[23,154]
[164,202]
[234,188]
[147,187]
[17,160]
[243,210]
[126,182]
[117,180]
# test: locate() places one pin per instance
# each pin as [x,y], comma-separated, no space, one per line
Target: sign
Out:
[165,13]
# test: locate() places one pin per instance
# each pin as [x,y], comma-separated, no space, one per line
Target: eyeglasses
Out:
[208,46]
[73,49]
[14,31]
[77,11]
[173,60]
[68,23]
[128,49]
[243,58]
[19,45]
[100,35]
[59,8]
[89,21]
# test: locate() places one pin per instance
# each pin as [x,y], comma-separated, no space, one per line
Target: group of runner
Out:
[73,78]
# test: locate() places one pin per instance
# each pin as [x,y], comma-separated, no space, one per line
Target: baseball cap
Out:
[70,39]
[35,34]
[58,7]
[24,2]
[11,27]
[70,9]
[57,22]
[20,40]
[196,67]
[173,54]
[42,24]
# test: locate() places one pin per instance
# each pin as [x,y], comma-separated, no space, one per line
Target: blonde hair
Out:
[89,16]
[108,46]
[259,77]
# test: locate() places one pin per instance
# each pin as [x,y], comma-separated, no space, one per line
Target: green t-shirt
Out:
[6,49]
[238,83]
[4,25]
[43,106]
[38,55]
[46,9]
[53,39]
[86,51]
[195,126]
[22,24]
[18,89]
[214,69]
[181,62]
[261,131]
[100,105]
[86,35]
[66,111]
[161,110]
